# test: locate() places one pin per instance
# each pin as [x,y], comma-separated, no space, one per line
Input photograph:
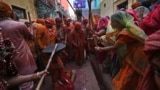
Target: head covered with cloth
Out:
[124,21]
[135,60]
[5,10]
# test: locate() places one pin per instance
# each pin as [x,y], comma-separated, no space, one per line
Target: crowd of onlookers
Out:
[126,45]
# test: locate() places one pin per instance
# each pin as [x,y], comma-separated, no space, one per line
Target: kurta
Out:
[19,35]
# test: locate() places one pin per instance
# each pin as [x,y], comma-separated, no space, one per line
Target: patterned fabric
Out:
[6,46]
[6,49]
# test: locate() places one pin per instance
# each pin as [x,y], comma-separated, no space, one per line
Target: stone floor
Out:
[85,78]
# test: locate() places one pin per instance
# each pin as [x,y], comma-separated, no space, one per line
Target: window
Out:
[20,12]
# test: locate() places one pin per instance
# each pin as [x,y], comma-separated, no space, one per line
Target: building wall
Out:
[28,5]
[95,5]
[106,8]
[111,6]
[117,2]
[64,3]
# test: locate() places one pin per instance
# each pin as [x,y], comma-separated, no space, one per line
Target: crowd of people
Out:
[133,46]
[126,44]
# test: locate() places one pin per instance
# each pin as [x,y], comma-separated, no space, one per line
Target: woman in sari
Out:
[135,60]
[100,31]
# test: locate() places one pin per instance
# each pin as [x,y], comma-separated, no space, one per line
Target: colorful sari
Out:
[135,62]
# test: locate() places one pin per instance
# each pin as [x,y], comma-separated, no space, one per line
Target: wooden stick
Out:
[48,64]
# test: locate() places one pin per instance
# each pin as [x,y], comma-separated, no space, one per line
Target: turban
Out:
[58,20]
[67,19]
[85,20]
[152,43]
[78,25]
[50,20]
[5,10]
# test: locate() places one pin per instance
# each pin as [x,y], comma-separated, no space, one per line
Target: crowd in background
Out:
[126,45]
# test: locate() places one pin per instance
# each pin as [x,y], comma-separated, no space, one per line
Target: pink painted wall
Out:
[64,4]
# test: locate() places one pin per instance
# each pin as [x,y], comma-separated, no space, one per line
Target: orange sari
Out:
[134,64]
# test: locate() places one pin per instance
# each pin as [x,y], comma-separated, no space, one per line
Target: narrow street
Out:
[87,77]
[79,45]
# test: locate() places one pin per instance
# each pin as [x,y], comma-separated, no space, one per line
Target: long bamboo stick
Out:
[48,64]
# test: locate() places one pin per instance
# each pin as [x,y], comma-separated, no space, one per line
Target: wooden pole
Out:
[49,62]
[29,17]
[91,24]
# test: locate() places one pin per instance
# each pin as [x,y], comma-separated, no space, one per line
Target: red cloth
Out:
[152,42]
[78,42]
[50,20]
[85,20]
[148,82]
[103,22]
[151,22]
[134,14]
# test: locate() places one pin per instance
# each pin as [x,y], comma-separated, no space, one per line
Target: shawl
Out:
[127,21]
